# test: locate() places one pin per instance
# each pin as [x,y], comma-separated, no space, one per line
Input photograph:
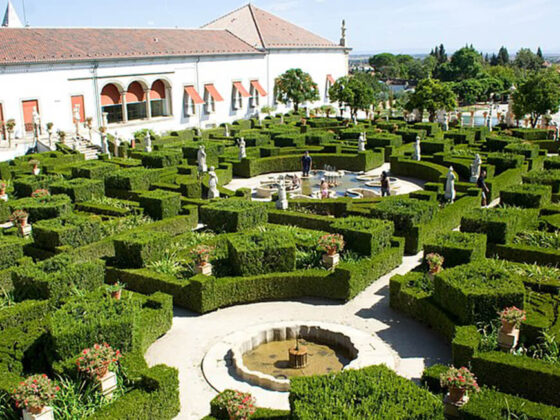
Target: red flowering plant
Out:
[40,193]
[3,185]
[34,393]
[435,262]
[96,360]
[239,405]
[461,378]
[331,243]
[19,216]
[201,254]
[513,315]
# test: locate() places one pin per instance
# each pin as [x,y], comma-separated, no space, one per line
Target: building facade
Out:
[163,79]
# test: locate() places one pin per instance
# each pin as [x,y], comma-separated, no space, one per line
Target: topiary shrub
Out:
[404,212]
[526,195]
[72,230]
[43,208]
[136,249]
[504,161]
[92,169]
[255,252]
[160,204]
[79,189]
[476,291]
[527,150]
[500,224]
[132,179]
[233,215]
[544,177]
[365,236]
[162,159]
[457,247]
[375,393]
[11,250]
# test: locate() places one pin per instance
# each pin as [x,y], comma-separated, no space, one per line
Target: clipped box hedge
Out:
[365,236]
[504,161]
[233,215]
[162,159]
[499,224]
[43,208]
[80,189]
[11,250]
[132,179]
[476,291]
[160,204]
[544,177]
[404,212]
[92,169]
[253,253]
[526,195]
[136,249]
[72,230]
[381,394]
[25,185]
[457,247]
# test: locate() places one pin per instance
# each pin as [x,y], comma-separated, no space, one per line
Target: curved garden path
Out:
[192,335]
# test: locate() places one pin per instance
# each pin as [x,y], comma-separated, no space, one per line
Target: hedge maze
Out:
[139,219]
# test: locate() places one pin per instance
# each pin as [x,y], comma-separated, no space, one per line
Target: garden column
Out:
[148,104]
[124,110]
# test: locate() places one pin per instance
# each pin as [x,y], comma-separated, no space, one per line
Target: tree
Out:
[526,59]
[537,96]
[469,91]
[432,95]
[353,92]
[466,63]
[503,57]
[439,54]
[295,86]
[540,54]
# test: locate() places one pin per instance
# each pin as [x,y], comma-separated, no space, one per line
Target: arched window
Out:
[135,101]
[111,103]
[158,100]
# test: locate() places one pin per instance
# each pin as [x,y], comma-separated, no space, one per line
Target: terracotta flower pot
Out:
[102,371]
[2,191]
[34,410]
[23,221]
[116,295]
[457,394]
[435,270]
[507,327]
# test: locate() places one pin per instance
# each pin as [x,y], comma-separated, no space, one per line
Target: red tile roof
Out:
[42,45]
[265,30]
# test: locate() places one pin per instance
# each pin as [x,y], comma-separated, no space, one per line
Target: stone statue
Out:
[198,131]
[281,118]
[362,143]
[148,140]
[307,112]
[417,155]
[490,118]
[475,168]
[450,185]
[446,122]
[242,150]
[343,34]
[354,120]
[77,118]
[282,202]
[201,159]
[36,123]
[117,144]
[556,131]
[226,130]
[213,184]
[105,145]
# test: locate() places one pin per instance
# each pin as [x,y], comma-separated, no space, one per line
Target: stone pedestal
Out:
[473,179]
[205,270]
[36,171]
[282,204]
[108,384]
[331,261]
[298,357]
[508,340]
[451,408]
[45,414]
[25,230]
[4,197]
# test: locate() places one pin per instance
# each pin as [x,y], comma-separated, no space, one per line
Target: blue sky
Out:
[373,25]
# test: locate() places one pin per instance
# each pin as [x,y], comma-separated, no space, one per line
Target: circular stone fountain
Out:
[260,356]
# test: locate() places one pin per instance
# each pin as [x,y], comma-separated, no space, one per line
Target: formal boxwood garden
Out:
[141,226]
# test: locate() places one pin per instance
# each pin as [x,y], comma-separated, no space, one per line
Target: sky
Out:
[399,26]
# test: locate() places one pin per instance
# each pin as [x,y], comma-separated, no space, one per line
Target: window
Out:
[254,99]
[210,106]
[158,100]
[135,102]
[111,103]
[190,100]
[237,94]
[330,83]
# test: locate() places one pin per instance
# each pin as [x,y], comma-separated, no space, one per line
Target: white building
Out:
[164,79]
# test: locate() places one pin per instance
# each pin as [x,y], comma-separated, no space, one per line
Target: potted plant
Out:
[435,263]
[201,258]
[61,136]
[34,396]
[19,217]
[331,244]
[10,127]
[512,318]
[96,361]
[239,405]
[115,290]
[34,166]
[3,186]
[460,383]
[40,193]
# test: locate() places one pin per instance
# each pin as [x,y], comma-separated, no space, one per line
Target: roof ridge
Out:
[241,39]
[257,25]
[226,15]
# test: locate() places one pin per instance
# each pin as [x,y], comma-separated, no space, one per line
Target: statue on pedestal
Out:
[117,144]
[475,168]
[77,119]
[213,184]
[417,150]
[450,185]
[242,150]
[282,202]
[362,143]
[446,122]
[226,130]
[201,159]
[148,145]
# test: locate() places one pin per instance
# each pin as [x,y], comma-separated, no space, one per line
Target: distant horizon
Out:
[426,52]
[403,26]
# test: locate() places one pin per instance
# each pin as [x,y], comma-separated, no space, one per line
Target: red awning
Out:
[241,89]
[213,92]
[193,94]
[258,87]
[330,79]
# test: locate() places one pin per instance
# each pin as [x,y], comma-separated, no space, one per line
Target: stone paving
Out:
[192,335]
